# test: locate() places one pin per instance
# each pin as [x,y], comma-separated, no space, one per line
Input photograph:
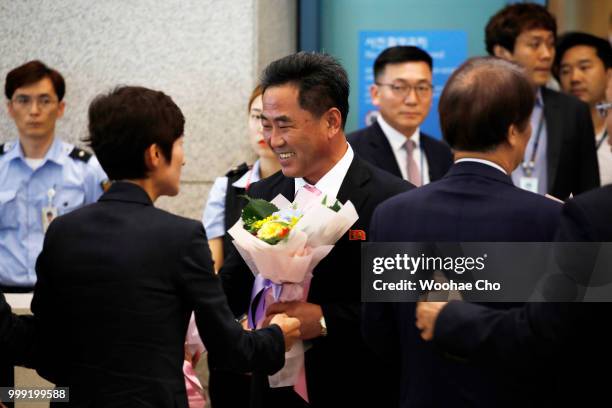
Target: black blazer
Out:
[16,337]
[340,370]
[588,217]
[371,144]
[571,156]
[473,202]
[117,281]
[568,339]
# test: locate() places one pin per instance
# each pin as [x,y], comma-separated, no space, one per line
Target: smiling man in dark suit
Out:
[560,158]
[305,105]
[403,92]
[484,115]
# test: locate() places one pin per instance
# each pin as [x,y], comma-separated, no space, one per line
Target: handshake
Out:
[290,327]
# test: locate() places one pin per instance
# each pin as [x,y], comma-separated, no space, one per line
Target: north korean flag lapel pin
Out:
[357,235]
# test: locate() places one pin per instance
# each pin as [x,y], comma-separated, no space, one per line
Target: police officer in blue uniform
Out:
[41,176]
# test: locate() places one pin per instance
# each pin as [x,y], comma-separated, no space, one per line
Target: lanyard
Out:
[600,141]
[530,165]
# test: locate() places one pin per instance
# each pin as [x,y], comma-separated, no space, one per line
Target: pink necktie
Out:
[414,174]
[312,189]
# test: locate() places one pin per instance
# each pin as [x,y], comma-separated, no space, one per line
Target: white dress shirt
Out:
[604,159]
[483,161]
[397,141]
[330,183]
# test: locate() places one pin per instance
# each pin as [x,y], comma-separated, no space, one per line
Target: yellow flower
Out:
[258,224]
[273,230]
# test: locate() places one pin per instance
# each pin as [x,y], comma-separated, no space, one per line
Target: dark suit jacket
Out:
[568,338]
[371,144]
[117,282]
[588,217]
[16,336]
[473,202]
[571,156]
[340,371]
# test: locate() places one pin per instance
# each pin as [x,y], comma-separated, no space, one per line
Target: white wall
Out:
[205,54]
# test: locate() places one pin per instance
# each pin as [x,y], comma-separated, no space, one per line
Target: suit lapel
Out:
[554,135]
[382,152]
[433,163]
[286,187]
[351,188]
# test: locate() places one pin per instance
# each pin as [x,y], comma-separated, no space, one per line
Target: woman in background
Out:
[224,202]
[222,210]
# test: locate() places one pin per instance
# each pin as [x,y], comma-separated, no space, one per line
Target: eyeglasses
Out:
[602,108]
[25,101]
[403,90]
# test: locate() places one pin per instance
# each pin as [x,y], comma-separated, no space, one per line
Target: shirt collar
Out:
[58,151]
[13,150]
[53,154]
[249,177]
[483,161]
[396,139]
[330,183]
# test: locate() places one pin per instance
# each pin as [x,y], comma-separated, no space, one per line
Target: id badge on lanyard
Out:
[528,181]
[50,211]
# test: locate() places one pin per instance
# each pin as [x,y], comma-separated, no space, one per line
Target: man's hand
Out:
[426,314]
[290,327]
[309,315]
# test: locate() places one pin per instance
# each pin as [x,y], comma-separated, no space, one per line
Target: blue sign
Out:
[447,48]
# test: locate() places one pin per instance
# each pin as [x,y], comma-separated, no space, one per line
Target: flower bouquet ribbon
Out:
[282,242]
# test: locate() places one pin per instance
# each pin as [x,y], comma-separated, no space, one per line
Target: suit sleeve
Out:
[237,280]
[228,344]
[575,225]
[507,337]
[378,326]
[17,335]
[588,169]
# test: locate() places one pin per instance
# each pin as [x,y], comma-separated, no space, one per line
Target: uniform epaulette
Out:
[238,170]
[80,154]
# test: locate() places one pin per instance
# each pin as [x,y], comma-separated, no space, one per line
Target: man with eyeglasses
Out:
[582,63]
[403,93]
[560,158]
[39,173]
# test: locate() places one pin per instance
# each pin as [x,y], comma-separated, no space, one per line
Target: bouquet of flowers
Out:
[282,242]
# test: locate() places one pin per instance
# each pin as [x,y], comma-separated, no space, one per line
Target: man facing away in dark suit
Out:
[119,279]
[560,158]
[403,92]
[571,339]
[484,111]
[305,105]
